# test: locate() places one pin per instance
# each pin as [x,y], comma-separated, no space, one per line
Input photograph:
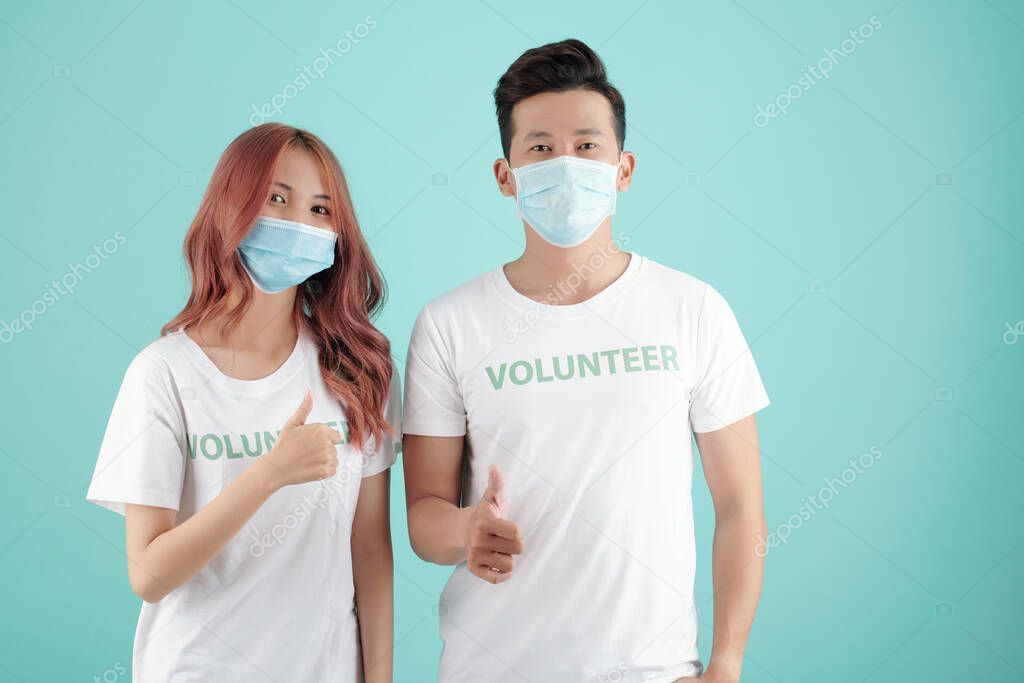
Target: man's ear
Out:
[503,174]
[627,166]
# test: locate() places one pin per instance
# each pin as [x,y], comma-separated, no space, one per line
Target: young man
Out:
[549,410]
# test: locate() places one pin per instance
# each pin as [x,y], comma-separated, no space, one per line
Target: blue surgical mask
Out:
[565,199]
[279,254]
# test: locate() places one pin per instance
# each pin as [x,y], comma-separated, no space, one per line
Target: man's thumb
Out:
[495,492]
[299,418]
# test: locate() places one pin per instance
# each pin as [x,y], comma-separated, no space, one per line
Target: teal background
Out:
[870,242]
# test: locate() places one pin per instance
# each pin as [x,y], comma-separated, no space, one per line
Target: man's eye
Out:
[276,198]
[321,210]
[540,148]
[588,145]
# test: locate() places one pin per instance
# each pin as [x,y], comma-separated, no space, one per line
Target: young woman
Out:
[249,447]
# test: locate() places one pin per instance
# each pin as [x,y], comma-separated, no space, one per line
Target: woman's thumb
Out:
[299,418]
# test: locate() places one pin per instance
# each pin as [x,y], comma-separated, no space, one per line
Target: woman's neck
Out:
[267,328]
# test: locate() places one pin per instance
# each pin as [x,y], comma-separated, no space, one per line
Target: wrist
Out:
[266,476]
[462,517]
[725,669]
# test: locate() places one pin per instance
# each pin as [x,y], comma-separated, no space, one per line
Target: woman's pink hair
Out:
[335,306]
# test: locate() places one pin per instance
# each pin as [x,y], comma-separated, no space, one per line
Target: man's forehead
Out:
[573,112]
[541,134]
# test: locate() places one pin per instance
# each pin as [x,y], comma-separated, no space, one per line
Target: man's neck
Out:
[559,276]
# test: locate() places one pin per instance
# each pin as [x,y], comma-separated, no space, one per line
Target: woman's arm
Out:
[162,556]
[373,575]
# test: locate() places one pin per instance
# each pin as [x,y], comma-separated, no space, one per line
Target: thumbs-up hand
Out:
[492,540]
[303,452]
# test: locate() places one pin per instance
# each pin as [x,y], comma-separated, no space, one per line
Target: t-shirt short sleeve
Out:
[729,386]
[391,444]
[142,456]
[433,398]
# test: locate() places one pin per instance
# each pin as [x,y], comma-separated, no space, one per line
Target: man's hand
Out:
[712,675]
[492,540]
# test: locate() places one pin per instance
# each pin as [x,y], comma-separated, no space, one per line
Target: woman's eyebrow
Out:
[289,188]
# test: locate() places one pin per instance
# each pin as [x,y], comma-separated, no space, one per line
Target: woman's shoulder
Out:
[158,360]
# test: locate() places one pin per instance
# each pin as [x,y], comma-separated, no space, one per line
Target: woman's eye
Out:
[276,198]
[321,210]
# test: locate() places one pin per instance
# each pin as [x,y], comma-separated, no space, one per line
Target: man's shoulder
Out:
[674,282]
[474,294]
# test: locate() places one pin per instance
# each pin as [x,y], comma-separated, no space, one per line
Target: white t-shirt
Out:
[588,410]
[276,603]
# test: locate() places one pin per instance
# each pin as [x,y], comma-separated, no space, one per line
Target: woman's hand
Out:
[303,452]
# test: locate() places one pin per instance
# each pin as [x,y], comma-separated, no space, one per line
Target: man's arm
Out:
[433,482]
[732,467]
[444,533]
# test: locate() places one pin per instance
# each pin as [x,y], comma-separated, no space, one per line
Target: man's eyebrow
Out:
[589,131]
[537,134]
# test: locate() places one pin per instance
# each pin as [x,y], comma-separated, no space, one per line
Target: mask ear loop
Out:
[618,168]
[515,189]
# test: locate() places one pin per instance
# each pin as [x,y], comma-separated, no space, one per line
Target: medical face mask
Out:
[565,199]
[279,254]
